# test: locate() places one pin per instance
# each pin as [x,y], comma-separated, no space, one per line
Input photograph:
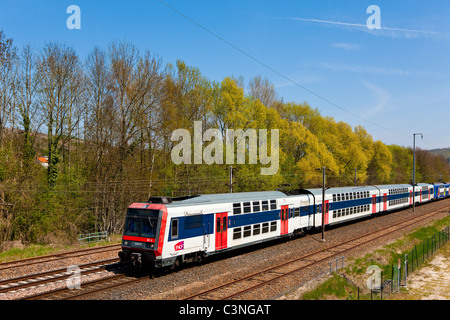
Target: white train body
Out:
[166,232]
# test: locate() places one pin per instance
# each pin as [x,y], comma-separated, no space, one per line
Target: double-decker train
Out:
[165,232]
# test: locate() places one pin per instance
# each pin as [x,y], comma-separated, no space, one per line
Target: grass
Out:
[334,288]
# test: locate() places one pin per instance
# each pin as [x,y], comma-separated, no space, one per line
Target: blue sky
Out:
[396,79]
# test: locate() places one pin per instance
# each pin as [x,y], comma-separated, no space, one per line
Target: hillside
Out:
[445,152]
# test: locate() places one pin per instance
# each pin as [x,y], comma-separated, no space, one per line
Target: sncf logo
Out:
[179,246]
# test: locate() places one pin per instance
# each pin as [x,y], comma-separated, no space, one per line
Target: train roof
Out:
[221,198]
[318,191]
[393,186]
[424,184]
[440,183]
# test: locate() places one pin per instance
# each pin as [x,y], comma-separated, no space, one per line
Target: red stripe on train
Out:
[140,239]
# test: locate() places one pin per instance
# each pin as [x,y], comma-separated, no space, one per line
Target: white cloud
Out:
[346,46]
[366,69]
[381,99]
[391,31]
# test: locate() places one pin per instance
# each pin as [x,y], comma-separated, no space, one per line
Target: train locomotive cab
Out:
[140,235]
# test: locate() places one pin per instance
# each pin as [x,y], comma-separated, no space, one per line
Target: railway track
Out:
[247,287]
[86,288]
[57,256]
[41,282]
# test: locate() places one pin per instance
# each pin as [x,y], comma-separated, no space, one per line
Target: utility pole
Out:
[231,179]
[323,200]
[414,169]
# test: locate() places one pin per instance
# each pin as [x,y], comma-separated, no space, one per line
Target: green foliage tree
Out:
[109,124]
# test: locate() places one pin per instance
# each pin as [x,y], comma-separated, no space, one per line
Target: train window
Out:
[265,205]
[192,222]
[338,197]
[297,212]
[247,207]
[273,204]
[174,231]
[347,197]
[236,233]
[247,231]
[237,208]
[273,226]
[347,211]
[334,214]
[218,224]
[334,198]
[265,227]
[256,206]
[256,229]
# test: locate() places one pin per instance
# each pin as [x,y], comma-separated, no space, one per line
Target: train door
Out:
[385,202]
[221,230]
[284,217]
[327,210]
[374,203]
[420,196]
[410,197]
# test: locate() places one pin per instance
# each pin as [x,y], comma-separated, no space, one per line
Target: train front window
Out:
[141,223]
[141,226]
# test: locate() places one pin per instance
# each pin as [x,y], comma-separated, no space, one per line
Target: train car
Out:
[170,231]
[441,190]
[394,197]
[424,192]
[343,204]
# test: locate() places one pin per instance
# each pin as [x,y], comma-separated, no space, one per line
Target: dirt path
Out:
[432,281]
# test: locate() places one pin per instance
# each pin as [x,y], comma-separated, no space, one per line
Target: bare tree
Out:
[30,118]
[8,69]
[59,90]
[263,90]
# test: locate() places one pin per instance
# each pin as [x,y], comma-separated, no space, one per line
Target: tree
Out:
[27,104]
[8,64]
[262,90]
[59,91]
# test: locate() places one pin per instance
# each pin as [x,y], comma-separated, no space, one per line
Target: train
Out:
[170,231]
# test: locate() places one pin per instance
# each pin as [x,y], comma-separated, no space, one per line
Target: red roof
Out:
[42,159]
